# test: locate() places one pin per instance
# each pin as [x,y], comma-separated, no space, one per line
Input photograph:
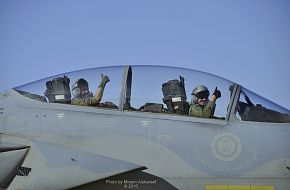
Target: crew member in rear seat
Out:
[201,106]
[83,97]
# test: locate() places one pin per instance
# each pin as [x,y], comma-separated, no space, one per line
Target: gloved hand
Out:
[217,93]
[104,80]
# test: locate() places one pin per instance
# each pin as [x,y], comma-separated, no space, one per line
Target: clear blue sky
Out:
[246,41]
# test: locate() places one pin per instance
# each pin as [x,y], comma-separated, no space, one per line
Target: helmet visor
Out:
[202,94]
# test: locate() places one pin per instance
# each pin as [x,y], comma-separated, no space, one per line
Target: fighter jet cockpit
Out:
[167,90]
[156,90]
[58,89]
[252,107]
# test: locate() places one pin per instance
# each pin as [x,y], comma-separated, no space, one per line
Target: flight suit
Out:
[89,100]
[202,111]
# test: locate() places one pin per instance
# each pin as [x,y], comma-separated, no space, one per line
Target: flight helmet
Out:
[199,92]
[80,87]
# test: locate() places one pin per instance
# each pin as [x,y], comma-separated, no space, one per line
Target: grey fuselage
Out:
[67,141]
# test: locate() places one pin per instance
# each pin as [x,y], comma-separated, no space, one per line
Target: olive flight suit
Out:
[89,100]
[206,111]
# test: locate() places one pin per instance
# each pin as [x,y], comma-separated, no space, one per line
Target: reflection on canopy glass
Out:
[252,107]
[147,88]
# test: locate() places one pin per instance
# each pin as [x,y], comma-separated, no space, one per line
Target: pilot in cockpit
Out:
[201,106]
[82,96]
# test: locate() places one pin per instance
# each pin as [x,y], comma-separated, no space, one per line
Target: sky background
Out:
[245,41]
